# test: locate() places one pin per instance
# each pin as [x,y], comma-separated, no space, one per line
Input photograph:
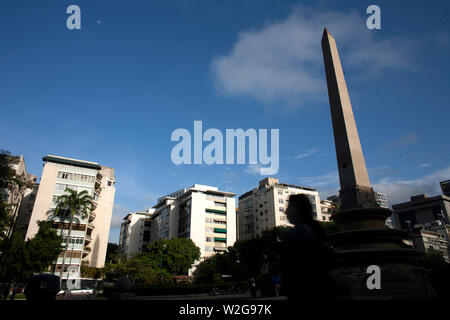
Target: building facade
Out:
[135,233]
[432,238]
[16,194]
[201,213]
[264,207]
[445,187]
[89,236]
[421,210]
[327,209]
[381,199]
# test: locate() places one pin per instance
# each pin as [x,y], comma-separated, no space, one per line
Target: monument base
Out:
[365,240]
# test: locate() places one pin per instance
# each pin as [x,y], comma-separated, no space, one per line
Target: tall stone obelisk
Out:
[363,239]
[355,186]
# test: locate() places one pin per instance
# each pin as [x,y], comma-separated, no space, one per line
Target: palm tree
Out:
[68,206]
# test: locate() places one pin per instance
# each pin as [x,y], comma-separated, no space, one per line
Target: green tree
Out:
[16,186]
[112,252]
[68,206]
[24,258]
[44,248]
[176,255]
[246,258]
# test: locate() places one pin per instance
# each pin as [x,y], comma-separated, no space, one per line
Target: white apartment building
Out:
[89,237]
[264,207]
[135,233]
[327,208]
[201,213]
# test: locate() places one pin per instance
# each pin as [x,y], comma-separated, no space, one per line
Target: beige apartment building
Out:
[19,197]
[89,237]
[135,233]
[264,207]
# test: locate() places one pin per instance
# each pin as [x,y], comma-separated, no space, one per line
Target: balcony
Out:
[99,178]
[88,238]
[90,225]
[92,216]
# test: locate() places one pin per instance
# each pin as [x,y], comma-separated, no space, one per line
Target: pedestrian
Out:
[14,291]
[276,280]
[253,287]
[306,257]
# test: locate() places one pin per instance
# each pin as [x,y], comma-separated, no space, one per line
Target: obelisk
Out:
[356,191]
[363,238]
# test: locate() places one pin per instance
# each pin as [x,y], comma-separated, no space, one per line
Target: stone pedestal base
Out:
[365,240]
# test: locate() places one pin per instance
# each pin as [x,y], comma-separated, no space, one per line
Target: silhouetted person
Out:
[306,257]
[253,287]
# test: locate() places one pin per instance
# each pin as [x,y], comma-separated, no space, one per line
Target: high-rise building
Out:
[89,236]
[264,207]
[445,187]
[327,208]
[432,238]
[17,195]
[421,210]
[201,213]
[381,199]
[135,233]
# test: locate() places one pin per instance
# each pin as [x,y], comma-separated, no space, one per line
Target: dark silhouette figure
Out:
[306,256]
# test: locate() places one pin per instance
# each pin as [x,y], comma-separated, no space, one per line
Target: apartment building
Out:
[264,207]
[135,233]
[445,187]
[421,209]
[381,199]
[432,238]
[89,237]
[201,213]
[18,195]
[327,208]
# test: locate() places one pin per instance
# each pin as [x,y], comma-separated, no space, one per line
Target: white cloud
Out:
[253,169]
[282,61]
[404,140]
[327,180]
[119,212]
[396,189]
[306,153]
[424,165]
[400,190]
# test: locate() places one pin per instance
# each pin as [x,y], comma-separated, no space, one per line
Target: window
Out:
[219,204]
[281,209]
[109,183]
[280,192]
[280,201]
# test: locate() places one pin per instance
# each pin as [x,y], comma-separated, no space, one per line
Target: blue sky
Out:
[114,91]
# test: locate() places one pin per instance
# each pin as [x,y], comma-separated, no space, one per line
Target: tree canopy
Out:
[176,255]
[24,258]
